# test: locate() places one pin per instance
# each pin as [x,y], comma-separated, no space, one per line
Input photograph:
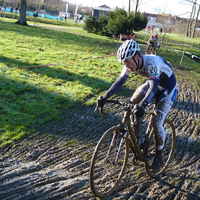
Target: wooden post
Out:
[166,45]
[182,58]
[34,20]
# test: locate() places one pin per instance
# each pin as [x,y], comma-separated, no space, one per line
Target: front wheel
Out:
[109,161]
[169,146]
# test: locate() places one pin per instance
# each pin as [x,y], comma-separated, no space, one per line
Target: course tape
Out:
[194,57]
[66,62]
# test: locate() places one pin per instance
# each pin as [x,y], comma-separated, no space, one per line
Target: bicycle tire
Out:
[105,174]
[169,146]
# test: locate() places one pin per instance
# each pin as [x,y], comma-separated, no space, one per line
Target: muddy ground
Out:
[47,166]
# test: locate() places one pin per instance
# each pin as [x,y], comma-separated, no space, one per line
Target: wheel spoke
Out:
[108,162]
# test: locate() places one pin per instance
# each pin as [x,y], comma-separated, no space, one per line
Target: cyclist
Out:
[153,42]
[161,84]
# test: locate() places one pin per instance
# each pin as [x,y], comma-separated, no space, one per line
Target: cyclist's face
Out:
[131,64]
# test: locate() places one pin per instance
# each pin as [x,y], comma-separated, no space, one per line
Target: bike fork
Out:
[121,143]
[147,135]
[112,144]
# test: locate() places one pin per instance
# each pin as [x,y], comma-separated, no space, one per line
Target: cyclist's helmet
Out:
[127,50]
[156,35]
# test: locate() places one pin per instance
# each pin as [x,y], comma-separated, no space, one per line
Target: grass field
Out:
[46,73]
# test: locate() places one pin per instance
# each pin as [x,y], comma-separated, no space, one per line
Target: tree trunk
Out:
[195,23]
[129,7]
[22,18]
[136,6]
[188,32]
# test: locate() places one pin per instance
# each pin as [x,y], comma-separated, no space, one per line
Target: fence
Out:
[165,41]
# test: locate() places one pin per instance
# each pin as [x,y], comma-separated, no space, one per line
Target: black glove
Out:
[100,102]
[139,111]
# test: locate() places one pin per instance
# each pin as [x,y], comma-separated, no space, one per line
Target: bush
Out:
[103,30]
[117,22]
[91,25]
[137,22]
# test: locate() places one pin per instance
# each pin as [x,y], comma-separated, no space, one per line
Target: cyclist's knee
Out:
[140,93]
[137,97]
[158,119]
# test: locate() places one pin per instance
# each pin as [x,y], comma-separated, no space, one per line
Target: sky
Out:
[173,7]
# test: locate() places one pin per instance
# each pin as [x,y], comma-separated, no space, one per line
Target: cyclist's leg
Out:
[162,109]
[140,93]
[148,47]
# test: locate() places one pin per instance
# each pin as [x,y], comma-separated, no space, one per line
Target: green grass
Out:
[33,96]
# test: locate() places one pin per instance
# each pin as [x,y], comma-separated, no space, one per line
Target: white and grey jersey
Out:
[159,71]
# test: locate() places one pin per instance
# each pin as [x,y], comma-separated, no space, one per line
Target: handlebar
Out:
[108,101]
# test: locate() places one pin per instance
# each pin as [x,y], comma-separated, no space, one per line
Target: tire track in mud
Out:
[50,166]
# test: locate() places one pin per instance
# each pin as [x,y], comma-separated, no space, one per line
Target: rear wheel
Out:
[109,161]
[169,146]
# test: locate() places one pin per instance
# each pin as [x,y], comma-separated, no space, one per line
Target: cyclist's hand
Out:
[100,102]
[139,111]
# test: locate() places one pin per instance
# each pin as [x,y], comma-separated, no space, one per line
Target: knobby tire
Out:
[105,174]
[169,146]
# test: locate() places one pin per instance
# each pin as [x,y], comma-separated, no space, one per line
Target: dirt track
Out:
[45,166]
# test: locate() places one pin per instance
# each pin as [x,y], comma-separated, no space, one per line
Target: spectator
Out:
[65,18]
[76,19]
[169,30]
[16,9]
[148,29]
[152,30]
[132,36]
[11,9]
[161,30]
[4,7]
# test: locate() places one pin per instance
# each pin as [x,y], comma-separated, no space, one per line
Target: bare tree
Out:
[136,6]
[191,25]
[129,7]
[22,18]
[195,23]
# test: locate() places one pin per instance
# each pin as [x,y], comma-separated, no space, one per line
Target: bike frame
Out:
[133,135]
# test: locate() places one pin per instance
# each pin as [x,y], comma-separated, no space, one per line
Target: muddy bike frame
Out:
[133,124]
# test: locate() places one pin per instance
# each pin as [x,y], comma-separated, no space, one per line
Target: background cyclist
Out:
[153,42]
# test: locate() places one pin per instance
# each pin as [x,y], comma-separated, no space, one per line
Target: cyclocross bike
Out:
[111,154]
[152,50]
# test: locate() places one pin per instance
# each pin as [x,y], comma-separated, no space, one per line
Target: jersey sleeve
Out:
[115,87]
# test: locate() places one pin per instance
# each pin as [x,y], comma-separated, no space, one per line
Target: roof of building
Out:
[104,8]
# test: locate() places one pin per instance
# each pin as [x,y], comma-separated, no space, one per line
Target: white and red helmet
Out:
[127,50]
[156,35]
